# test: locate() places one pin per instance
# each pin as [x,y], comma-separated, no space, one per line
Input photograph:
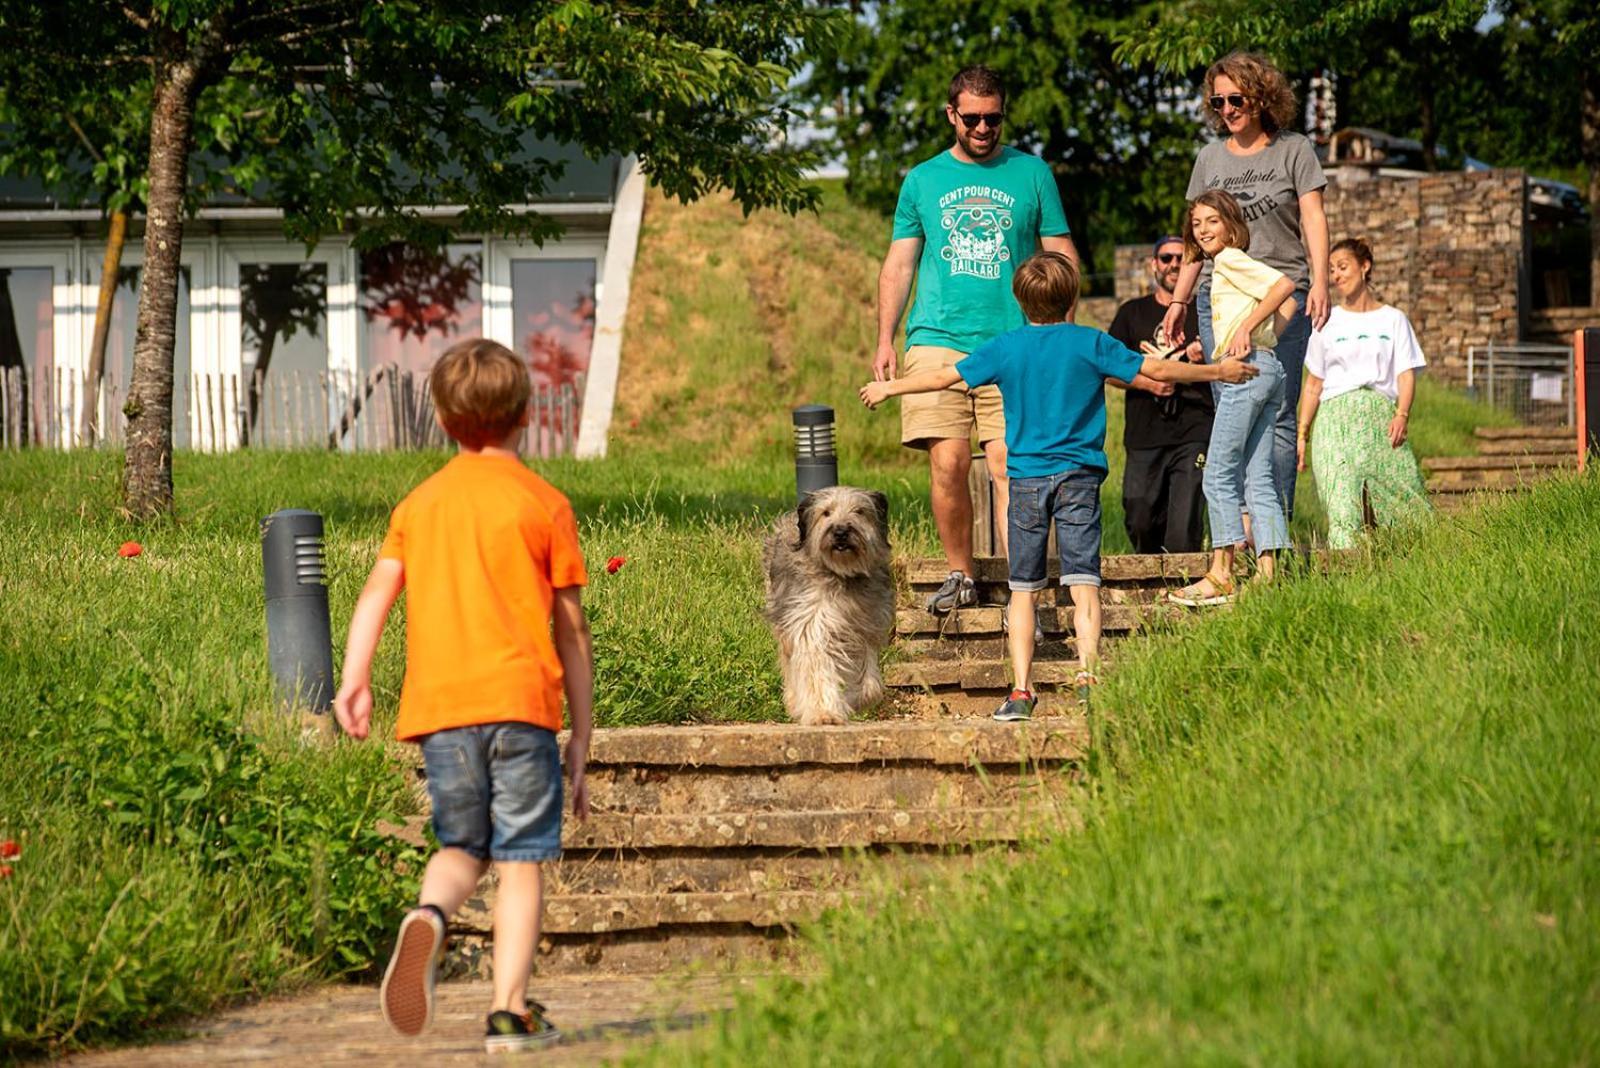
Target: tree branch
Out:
[94,152]
[289,12]
[137,19]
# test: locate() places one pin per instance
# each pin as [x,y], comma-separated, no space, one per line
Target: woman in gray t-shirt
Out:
[1275,177]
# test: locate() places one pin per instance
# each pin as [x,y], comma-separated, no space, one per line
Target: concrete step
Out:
[1568,442]
[973,675]
[1523,433]
[1115,571]
[1472,481]
[1515,462]
[1054,648]
[966,623]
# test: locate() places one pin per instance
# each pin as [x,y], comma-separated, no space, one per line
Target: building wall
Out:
[1448,249]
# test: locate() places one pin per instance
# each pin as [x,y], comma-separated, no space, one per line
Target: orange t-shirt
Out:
[485,544]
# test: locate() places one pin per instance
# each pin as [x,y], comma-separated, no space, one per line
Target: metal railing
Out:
[1532,382]
[385,410]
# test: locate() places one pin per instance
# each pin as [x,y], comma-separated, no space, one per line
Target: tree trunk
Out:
[116,237]
[1589,123]
[147,472]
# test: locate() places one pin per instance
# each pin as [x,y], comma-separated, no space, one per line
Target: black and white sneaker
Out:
[1017,708]
[508,1032]
[958,591]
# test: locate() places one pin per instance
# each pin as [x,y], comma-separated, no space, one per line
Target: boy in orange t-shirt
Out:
[488,554]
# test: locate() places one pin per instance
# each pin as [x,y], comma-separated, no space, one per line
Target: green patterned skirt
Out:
[1350,451]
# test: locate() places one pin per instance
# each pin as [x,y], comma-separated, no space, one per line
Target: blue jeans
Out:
[1070,500]
[1291,353]
[496,790]
[1239,461]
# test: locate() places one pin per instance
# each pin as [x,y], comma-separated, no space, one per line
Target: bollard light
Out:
[299,638]
[816,465]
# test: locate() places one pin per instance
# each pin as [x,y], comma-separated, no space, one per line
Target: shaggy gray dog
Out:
[830,601]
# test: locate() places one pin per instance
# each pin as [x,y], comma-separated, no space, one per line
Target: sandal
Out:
[1211,590]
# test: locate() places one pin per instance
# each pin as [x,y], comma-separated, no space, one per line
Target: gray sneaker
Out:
[1005,623]
[1016,708]
[958,591]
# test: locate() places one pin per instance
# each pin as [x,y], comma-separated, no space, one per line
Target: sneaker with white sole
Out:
[407,991]
[1017,708]
[958,591]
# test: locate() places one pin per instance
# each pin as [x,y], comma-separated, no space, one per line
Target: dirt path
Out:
[600,1017]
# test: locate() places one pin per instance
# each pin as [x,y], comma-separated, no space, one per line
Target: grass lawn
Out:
[182,846]
[1355,820]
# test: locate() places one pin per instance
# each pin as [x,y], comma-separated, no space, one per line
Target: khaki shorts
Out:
[948,413]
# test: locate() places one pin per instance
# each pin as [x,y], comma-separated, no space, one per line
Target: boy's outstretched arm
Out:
[875,393]
[576,650]
[1222,371]
[352,706]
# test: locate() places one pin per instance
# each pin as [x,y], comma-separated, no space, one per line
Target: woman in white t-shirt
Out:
[1357,404]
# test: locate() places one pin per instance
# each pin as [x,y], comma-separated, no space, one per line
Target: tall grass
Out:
[1353,821]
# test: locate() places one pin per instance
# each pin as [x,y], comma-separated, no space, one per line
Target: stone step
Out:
[1522,446]
[1116,571]
[1519,461]
[966,623]
[1054,648]
[969,675]
[1470,481]
[1523,433]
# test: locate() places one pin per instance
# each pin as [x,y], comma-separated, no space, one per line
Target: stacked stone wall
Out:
[1448,250]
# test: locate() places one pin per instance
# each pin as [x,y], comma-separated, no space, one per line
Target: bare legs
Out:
[452,877]
[950,461]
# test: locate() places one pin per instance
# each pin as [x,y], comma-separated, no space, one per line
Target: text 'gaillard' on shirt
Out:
[977,222]
[1052,383]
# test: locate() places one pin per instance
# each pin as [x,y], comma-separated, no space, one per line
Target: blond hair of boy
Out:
[487,553]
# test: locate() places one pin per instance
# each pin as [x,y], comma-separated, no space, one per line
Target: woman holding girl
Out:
[1275,177]
[1250,302]
[1356,411]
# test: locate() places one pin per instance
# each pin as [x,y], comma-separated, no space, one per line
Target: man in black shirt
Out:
[1165,437]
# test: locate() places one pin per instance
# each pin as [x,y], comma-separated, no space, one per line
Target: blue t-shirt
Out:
[977,221]
[1052,383]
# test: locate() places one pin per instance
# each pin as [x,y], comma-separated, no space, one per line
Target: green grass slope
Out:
[1353,821]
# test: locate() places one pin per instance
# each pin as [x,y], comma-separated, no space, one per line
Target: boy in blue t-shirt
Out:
[1052,376]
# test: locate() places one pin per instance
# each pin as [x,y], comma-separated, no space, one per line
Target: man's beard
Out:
[977,152]
[1167,281]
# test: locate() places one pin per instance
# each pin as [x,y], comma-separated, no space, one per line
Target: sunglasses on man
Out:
[971,120]
[1233,100]
[1170,257]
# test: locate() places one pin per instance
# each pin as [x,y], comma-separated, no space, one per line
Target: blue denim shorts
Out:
[496,790]
[1070,500]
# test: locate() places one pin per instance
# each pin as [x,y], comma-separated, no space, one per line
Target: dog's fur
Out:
[830,601]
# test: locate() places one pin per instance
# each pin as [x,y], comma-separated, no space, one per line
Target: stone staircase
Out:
[1508,459]
[956,665]
[709,844]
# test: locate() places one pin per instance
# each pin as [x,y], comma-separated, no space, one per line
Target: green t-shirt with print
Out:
[977,221]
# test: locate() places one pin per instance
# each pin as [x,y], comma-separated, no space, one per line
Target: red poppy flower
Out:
[129,549]
[5,871]
[614,564]
[10,849]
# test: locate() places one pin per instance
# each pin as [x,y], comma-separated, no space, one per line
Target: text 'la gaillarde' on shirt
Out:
[1268,185]
[977,222]
[1052,383]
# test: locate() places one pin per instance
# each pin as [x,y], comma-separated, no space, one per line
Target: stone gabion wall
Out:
[1448,250]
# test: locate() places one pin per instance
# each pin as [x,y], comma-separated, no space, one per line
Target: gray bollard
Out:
[299,638]
[816,465]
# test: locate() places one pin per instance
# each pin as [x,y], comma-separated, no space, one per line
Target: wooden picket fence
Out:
[385,410]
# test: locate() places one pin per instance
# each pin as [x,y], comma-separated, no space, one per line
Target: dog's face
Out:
[844,529]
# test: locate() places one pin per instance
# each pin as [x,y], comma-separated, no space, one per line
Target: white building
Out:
[308,330]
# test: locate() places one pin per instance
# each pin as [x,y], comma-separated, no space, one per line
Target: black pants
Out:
[1163,506]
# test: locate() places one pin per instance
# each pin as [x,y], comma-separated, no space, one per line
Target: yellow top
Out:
[1238,286]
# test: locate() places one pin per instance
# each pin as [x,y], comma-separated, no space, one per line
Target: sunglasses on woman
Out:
[970,120]
[1233,100]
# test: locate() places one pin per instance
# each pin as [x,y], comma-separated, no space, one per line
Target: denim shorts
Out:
[496,790]
[1070,500]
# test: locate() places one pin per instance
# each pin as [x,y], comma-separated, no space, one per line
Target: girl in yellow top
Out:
[1246,294]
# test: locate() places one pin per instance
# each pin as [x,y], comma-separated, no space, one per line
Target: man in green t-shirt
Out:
[965,220]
